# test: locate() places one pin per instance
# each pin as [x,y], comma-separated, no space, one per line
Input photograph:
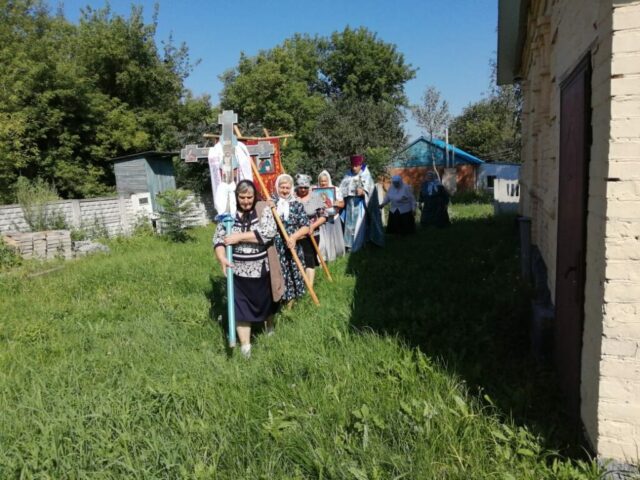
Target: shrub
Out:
[175,206]
[142,227]
[8,256]
[33,197]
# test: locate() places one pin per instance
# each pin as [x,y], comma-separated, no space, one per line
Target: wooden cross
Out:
[193,153]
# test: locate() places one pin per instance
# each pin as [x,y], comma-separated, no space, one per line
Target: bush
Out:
[8,256]
[142,227]
[467,197]
[33,197]
[175,206]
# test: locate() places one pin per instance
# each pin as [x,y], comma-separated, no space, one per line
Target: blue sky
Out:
[450,41]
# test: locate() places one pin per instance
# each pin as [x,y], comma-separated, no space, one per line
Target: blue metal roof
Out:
[419,154]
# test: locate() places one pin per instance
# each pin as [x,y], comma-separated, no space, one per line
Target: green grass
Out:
[115,367]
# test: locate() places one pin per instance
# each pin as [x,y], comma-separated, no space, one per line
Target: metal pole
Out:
[231,312]
[446,146]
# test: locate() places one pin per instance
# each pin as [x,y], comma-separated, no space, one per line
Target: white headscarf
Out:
[325,174]
[282,205]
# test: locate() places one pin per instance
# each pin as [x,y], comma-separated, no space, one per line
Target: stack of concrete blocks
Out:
[41,245]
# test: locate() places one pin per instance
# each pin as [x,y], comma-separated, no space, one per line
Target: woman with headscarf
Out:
[331,234]
[435,202]
[402,209]
[257,282]
[296,224]
[315,209]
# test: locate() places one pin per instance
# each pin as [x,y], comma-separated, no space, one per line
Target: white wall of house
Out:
[489,172]
[559,34]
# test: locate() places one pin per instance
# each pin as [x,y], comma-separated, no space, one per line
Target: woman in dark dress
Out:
[250,236]
[435,202]
[315,209]
[296,224]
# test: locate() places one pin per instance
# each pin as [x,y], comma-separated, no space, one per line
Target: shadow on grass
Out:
[456,294]
[218,309]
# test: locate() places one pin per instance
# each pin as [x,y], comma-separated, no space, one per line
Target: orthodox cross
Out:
[193,153]
[263,150]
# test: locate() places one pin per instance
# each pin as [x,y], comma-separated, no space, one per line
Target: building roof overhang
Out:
[512,26]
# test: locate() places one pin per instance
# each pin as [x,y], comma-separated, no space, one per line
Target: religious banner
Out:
[265,153]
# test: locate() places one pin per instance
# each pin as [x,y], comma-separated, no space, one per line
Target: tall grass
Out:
[116,367]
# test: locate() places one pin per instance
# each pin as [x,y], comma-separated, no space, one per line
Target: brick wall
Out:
[619,402]
[559,34]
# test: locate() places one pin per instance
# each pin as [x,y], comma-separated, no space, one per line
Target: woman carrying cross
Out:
[257,284]
[296,224]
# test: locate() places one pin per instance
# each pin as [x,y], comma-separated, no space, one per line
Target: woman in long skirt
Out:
[331,233]
[315,209]
[402,207]
[252,283]
[296,224]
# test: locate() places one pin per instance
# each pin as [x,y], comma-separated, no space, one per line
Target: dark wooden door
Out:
[575,133]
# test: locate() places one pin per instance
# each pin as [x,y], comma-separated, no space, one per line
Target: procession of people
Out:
[278,243]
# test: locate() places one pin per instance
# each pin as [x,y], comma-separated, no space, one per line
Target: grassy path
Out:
[114,367]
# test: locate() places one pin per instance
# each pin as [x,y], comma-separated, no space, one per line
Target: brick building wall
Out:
[619,399]
[558,36]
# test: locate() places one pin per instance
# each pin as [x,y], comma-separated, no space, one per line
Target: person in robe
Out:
[296,224]
[257,281]
[331,233]
[362,221]
[315,209]
[435,202]
[402,207]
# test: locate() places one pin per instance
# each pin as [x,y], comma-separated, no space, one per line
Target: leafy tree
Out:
[309,85]
[490,128]
[360,66]
[278,89]
[432,115]
[74,96]
[352,126]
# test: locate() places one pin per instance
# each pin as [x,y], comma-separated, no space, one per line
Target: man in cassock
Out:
[362,221]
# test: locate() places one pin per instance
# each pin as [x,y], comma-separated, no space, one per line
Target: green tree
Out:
[278,89]
[352,126]
[491,127]
[304,85]
[74,96]
[358,65]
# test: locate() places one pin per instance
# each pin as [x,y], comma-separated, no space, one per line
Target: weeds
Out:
[34,198]
[9,258]
[115,368]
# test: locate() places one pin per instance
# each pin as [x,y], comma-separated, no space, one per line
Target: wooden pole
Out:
[322,262]
[215,135]
[285,236]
